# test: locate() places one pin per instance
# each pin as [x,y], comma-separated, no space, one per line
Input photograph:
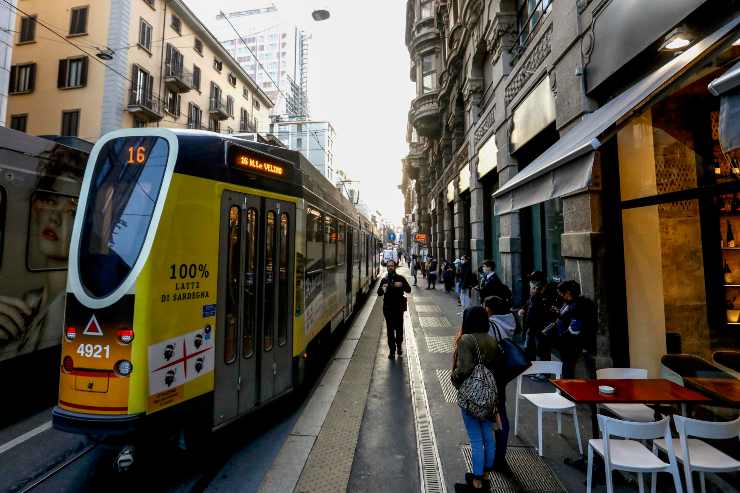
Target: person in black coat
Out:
[491,285]
[537,314]
[392,288]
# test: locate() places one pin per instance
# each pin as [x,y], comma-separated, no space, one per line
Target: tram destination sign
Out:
[242,159]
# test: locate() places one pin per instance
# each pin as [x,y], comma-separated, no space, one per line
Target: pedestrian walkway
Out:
[394,424]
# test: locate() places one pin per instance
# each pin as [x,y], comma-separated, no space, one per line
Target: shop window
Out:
[541,238]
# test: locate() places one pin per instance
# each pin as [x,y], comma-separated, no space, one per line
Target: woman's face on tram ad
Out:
[53,218]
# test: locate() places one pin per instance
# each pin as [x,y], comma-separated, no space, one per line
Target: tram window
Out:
[49,230]
[341,243]
[233,265]
[330,244]
[355,246]
[3,200]
[284,301]
[314,240]
[269,302]
[250,284]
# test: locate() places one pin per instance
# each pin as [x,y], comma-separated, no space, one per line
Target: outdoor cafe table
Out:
[646,391]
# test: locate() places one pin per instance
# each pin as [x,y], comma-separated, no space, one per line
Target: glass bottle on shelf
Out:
[730,236]
[736,203]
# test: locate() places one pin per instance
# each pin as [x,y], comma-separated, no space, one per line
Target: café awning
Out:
[566,167]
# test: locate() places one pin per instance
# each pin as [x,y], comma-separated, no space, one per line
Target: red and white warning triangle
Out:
[93,328]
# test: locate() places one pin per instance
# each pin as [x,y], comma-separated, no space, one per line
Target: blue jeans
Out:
[482,443]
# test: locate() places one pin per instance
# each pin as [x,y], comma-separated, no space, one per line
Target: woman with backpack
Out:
[472,374]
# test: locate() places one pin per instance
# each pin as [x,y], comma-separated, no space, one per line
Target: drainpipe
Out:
[161,57]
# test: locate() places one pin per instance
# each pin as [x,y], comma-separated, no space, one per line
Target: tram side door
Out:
[236,368]
[275,365]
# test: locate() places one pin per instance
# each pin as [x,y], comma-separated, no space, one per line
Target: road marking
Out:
[25,437]
[431,476]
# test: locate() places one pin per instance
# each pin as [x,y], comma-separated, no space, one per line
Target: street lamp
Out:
[320,15]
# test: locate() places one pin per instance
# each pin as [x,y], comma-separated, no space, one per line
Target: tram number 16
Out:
[93,350]
[136,155]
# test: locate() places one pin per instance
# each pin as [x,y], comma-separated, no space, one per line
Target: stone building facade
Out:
[517,110]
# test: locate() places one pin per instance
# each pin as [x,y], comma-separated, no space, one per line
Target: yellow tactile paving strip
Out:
[330,462]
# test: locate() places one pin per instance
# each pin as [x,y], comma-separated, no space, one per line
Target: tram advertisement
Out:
[39,186]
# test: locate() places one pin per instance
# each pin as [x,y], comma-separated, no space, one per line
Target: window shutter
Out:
[168,56]
[83,72]
[12,83]
[179,102]
[150,85]
[32,78]
[62,75]
[82,20]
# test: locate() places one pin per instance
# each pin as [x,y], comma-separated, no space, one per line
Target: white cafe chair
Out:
[547,402]
[627,412]
[700,456]
[631,455]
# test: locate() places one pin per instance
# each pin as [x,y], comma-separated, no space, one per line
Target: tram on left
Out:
[40,180]
[204,271]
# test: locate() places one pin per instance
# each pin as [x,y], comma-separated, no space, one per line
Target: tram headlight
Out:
[70,333]
[68,364]
[125,336]
[123,367]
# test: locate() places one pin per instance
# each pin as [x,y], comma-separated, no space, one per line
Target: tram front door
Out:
[255,304]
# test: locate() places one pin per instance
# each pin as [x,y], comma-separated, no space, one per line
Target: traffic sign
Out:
[391,236]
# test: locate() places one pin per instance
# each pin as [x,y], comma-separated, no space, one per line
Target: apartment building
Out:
[86,68]
[314,139]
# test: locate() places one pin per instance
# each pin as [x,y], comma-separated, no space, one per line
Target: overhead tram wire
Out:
[65,39]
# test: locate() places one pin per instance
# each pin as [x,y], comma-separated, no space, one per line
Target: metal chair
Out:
[697,455]
[631,455]
[551,402]
[627,412]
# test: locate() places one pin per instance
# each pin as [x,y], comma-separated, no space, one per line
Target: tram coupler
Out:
[125,459]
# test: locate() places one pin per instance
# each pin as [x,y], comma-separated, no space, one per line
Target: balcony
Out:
[145,106]
[217,109]
[178,78]
[424,115]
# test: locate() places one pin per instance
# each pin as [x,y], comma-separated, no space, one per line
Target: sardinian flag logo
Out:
[93,328]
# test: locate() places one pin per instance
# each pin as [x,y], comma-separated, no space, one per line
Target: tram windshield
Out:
[120,204]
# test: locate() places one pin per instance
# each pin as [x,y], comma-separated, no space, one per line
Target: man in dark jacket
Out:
[392,288]
[491,285]
[537,314]
[575,327]
[466,280]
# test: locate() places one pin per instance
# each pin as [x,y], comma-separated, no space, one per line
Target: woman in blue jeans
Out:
[473,340]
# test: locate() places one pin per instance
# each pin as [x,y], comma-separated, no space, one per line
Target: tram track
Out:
[51,473]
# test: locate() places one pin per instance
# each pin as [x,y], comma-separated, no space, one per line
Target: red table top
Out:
[722,389]
[649,391]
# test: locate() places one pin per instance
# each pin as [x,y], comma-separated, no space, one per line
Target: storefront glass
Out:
[680,211]
[542,239]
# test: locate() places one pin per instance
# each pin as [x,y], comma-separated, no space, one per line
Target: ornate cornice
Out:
[536,58]
[485,123]
[501,34]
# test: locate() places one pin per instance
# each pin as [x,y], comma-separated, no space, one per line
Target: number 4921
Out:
[94,351]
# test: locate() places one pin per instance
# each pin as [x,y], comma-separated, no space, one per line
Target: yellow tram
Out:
[203,268]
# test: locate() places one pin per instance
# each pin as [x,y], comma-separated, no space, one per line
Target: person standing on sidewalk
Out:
[392,288]
[431,273]
[575,327]
[537,314]
[414,265]
[474,346]
[502,325]
[466,280]
[491,285]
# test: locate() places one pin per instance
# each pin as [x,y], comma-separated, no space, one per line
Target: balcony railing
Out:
[145,105]
[178,77]
[217,108]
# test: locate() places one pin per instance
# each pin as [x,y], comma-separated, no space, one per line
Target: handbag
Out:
[512,360]
[478,394]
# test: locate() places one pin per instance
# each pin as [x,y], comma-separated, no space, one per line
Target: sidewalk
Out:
[394,425]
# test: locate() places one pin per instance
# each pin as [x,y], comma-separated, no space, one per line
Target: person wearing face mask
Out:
[575,328]
[537,314]
[491,285]
[392,288]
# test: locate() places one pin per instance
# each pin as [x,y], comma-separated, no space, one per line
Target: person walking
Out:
[431,273]
[474,346]
[448,276]
[392,288]
[491,285]
[574,327]
[466,281]
[501,325]
[414,266]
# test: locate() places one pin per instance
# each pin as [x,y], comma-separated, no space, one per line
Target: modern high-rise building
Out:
[272,51]
[314,139]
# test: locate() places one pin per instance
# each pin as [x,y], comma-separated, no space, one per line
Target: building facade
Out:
[7,26]
[86,69]
[314,139]
[578,138]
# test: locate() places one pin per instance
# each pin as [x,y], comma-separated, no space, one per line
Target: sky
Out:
[358,81]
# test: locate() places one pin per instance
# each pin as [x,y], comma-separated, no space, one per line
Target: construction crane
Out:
[245,13]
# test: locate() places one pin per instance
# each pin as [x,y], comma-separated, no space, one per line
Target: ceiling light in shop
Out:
[737,42]
[677,43]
